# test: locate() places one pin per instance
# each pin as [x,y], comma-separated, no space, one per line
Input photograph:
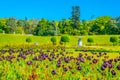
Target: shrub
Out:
[28,40]
[90,40]
[65,39]
[113,40]
[53,40]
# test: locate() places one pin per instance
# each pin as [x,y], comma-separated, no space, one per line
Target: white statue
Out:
[80,42]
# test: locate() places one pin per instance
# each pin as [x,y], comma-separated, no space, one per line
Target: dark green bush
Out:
[65,39]
[90,40]
[113,39]
[28,40]
[53,40]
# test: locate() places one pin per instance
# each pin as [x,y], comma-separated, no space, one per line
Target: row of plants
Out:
[64,39]
[114,41]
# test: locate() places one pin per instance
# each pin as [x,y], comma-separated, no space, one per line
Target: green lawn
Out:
[15,39]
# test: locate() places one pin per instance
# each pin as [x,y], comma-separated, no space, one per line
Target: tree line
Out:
[72,26]
[43,27]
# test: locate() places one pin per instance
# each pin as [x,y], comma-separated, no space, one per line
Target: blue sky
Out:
[58,9]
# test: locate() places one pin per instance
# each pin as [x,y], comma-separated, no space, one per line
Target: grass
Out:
[15,39]
[10,39]
[18,69]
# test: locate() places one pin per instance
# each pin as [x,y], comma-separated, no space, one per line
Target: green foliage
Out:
[75,17]
[65,39]
[73,26]
[53,40]
[1,31]
[113,40]
[46,28]
[84,32]
[19,30]
[100,25]
[90,40]
[11,24]
[28,40]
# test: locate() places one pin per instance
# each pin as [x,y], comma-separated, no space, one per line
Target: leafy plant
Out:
[90,40]
[113,40]
[28,40]
[65,39]
[53,40]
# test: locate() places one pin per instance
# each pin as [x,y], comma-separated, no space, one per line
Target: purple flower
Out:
[77,63]
[60,59]
[3,51]
[79,68]
[110,61]
[66,60]
[94,61]
[113,72]
[24,57]
[89,57]
[102,68]
[53,72]
[35,58]
[78,58]
[29,62]
[118,67]
[80,55]
[58,65]
[20,55]
[65,69]
[105,64]
[59,62]
[11,57]
[46,55]
[52,54]
[110,65]
[82,59]
[0,59]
